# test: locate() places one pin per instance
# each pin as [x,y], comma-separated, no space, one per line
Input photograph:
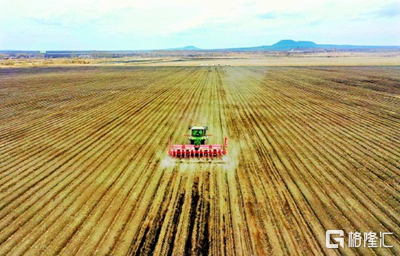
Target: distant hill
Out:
[288,45]
[186,48]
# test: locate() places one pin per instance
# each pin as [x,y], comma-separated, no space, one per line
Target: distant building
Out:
[58,55]
[295,51]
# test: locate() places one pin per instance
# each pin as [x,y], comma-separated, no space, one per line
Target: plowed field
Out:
[83,167]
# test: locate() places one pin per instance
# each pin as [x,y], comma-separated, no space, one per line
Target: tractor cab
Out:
[198,135]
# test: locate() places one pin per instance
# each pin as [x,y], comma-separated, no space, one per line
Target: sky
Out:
[207,24]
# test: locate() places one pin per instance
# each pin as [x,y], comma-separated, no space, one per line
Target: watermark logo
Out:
[356,239]
[339,240]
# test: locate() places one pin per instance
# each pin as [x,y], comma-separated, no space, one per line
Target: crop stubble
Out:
[83,159]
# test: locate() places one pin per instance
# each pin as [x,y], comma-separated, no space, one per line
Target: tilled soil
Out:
[84,166]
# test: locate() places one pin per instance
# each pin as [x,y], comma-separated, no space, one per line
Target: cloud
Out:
[137,24]
[46,22]
[267,16]
[388,11]
[279,15]
[314,22]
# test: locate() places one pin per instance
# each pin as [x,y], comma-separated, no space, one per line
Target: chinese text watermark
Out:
[356,239]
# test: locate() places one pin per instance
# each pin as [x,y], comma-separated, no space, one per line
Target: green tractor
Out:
[198,146]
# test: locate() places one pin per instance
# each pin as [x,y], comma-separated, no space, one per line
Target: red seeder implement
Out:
[201,151]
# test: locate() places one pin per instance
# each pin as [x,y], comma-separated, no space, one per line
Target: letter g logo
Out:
[339,240]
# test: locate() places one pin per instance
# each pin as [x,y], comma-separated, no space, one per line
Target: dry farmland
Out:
[83,167]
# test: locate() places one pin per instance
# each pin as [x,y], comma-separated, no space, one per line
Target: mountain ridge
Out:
[289,44]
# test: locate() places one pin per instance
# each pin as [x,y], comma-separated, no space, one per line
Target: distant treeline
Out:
[182,54]
[110,54]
